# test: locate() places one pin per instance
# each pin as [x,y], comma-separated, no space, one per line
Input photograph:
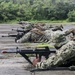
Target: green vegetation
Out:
[71,16]
[37,10]
[42,45]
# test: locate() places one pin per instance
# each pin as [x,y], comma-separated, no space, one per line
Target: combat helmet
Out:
[57,28]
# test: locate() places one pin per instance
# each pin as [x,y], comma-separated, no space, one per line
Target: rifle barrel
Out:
[20,30]
[9,35]
[30,51]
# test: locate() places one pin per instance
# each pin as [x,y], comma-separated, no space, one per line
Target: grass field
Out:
[36,21]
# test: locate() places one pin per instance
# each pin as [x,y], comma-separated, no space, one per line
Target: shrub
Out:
[71,16]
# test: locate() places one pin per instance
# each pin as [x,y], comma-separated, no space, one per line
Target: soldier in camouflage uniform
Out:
[31,36]
[30,26]
[65,53]
[38,35]
[26,25]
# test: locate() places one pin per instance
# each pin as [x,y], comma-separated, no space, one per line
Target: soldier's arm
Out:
[46,63]
[67,33]
[25,38]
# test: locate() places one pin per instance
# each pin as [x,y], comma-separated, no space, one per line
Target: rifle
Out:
[42,52]
[10,35]
[20,33]
[37,51]
[21,30]
[17,36]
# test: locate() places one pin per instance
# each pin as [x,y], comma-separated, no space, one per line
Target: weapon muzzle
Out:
[3,52]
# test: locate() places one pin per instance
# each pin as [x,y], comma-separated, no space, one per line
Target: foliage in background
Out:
[71,16]
[37,10]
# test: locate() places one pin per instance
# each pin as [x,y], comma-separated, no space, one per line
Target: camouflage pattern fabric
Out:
[28,26]
[66,52]
[43,26]
[37,31]
[45,36]
[58,38]
[41,36]
[34,35]
[25,38]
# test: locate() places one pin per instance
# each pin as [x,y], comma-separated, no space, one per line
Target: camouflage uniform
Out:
[38,35]
[33,36]
[65,52]
[27,26]
[58,39]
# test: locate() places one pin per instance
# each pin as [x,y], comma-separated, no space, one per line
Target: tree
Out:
[71,16]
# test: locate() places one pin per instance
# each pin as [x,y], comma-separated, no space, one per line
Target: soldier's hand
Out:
[35,61]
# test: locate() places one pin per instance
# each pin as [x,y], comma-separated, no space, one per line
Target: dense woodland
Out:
[37,10]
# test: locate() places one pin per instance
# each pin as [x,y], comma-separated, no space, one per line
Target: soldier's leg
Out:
[66,52]
[25,38]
